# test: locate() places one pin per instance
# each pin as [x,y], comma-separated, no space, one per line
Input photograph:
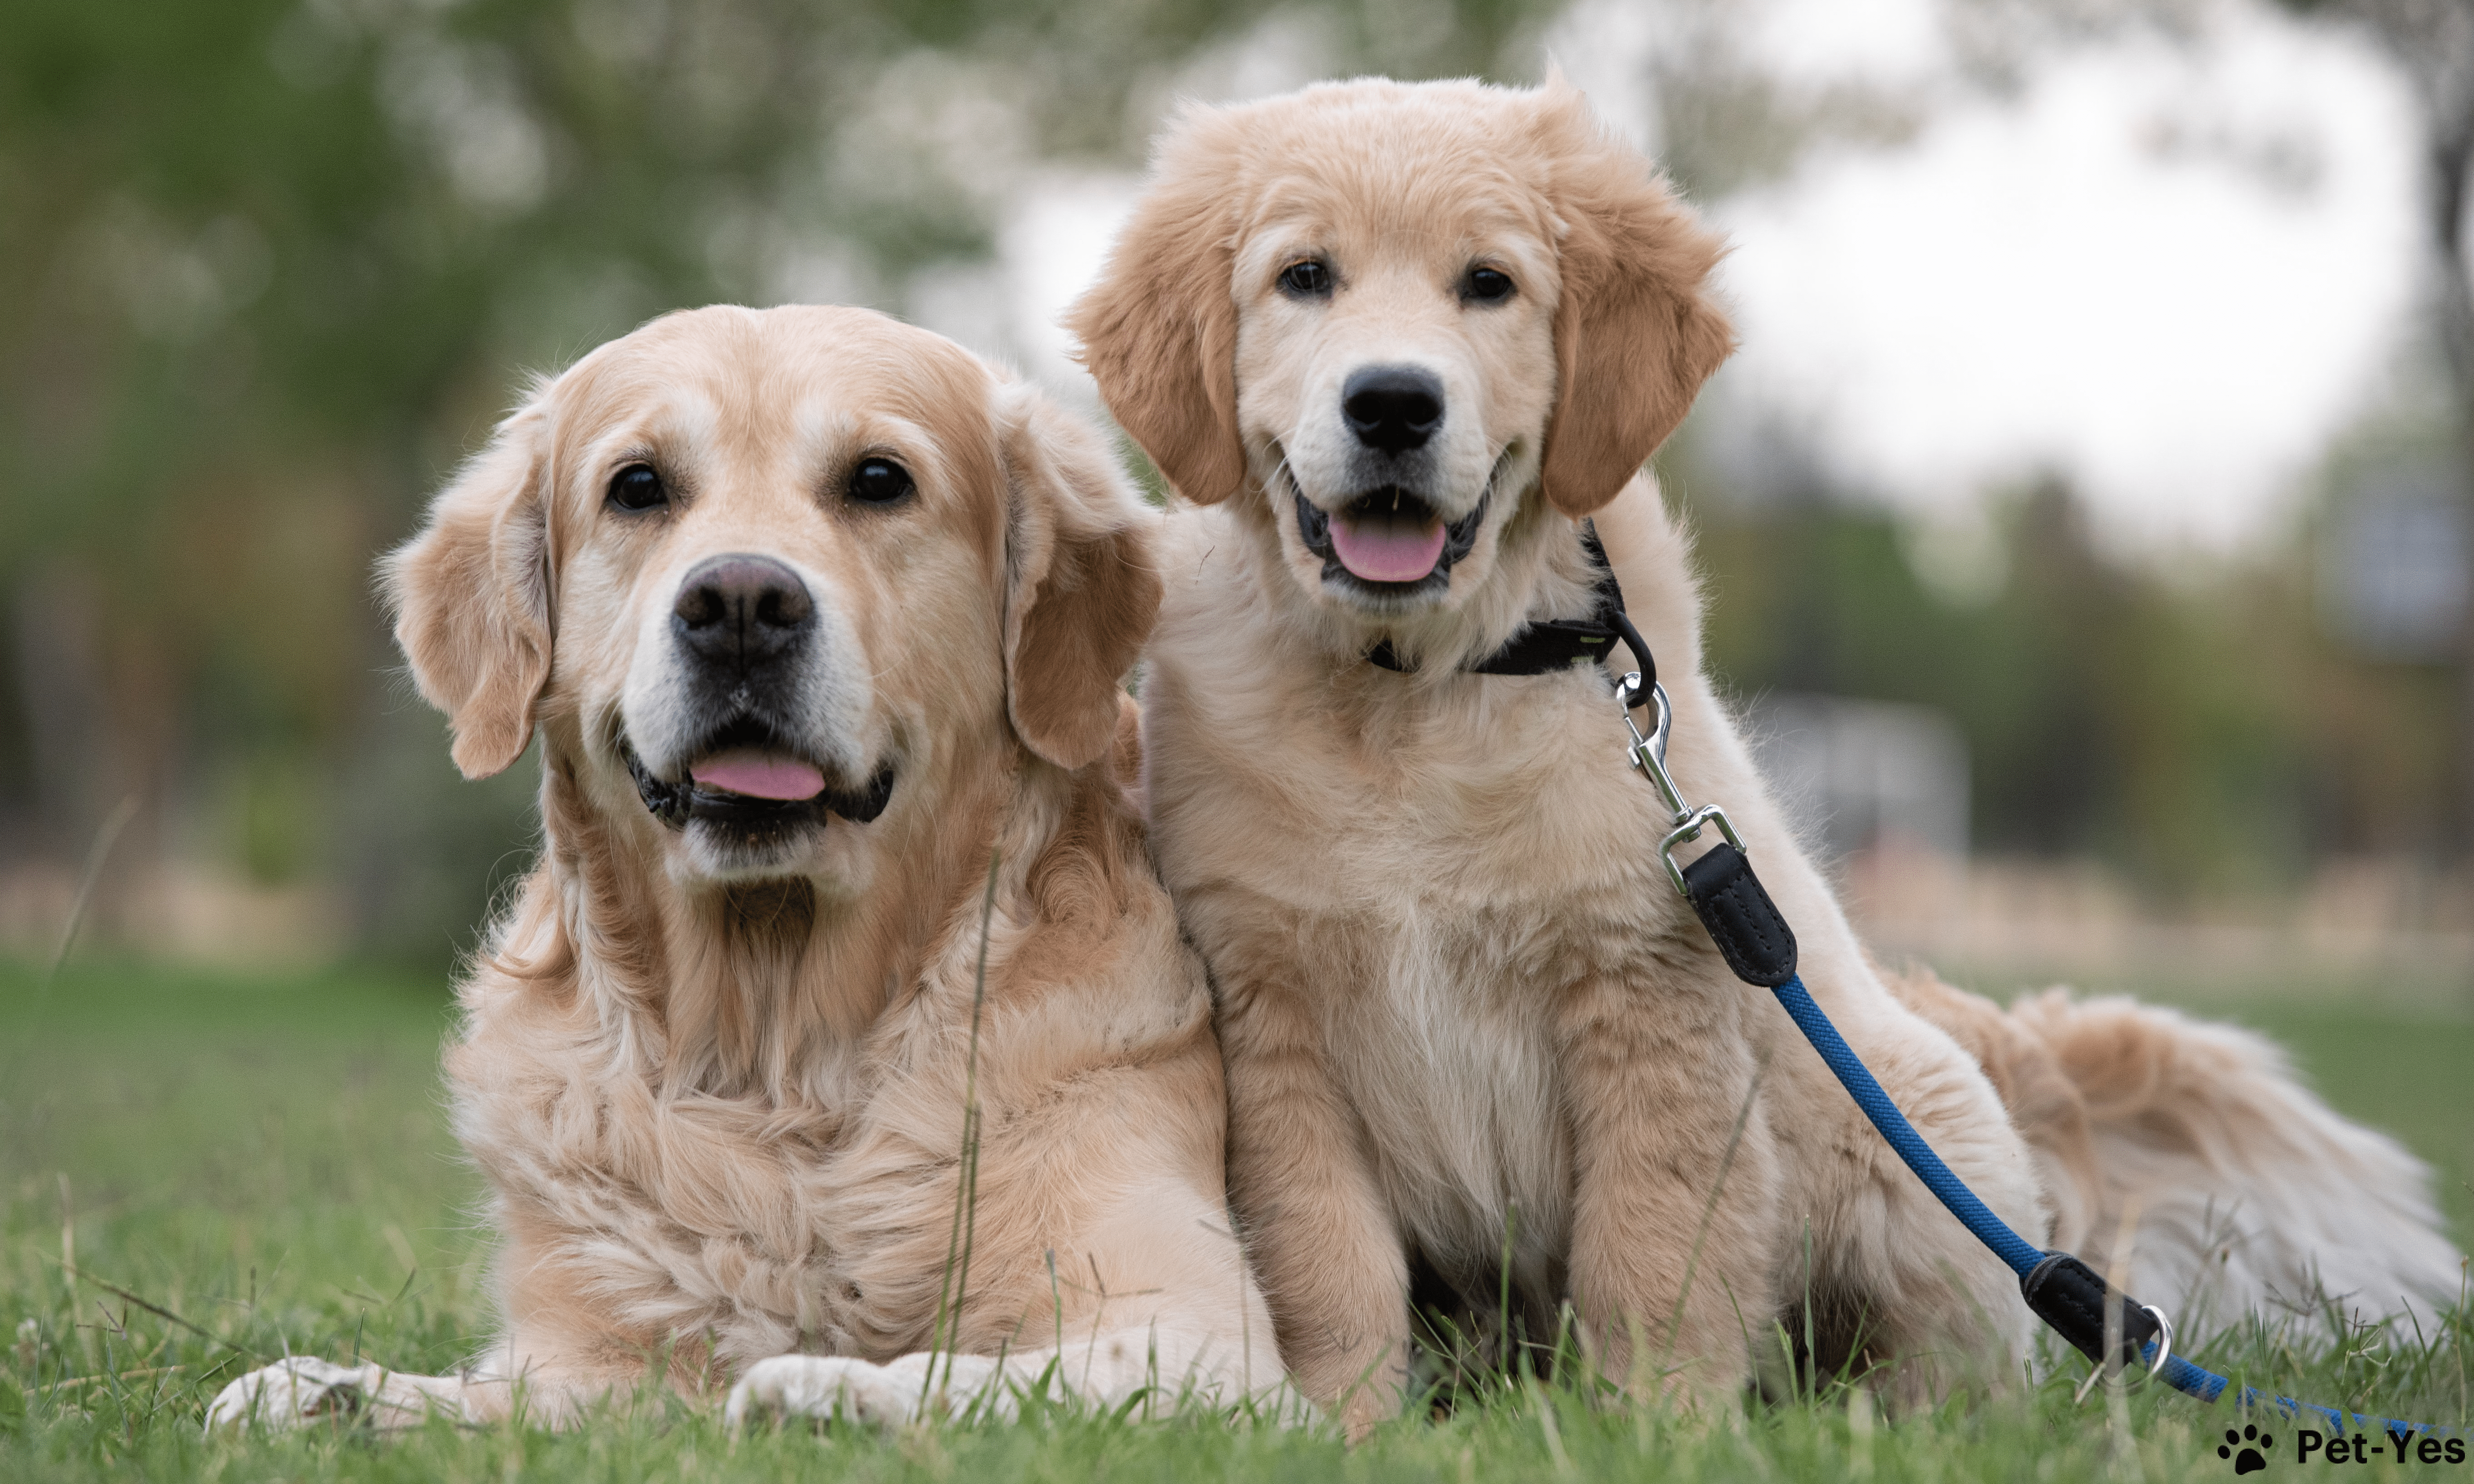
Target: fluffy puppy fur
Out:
[2245,1194]
[1464,1012]
[715,1062]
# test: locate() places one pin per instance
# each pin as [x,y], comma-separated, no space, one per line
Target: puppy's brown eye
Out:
[637,488]
[879,482]
[1486,286]
[1310,278]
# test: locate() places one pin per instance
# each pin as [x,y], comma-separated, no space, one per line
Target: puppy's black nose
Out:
[740,610]
[1392,408]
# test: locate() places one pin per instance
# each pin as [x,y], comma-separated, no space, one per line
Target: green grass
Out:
[267,1160]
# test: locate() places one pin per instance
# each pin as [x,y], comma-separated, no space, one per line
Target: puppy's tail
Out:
[2248,1193]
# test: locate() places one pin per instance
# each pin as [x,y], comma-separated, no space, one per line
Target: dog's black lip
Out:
[674,802]
[1460,537]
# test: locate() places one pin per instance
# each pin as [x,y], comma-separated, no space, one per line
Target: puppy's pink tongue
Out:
[758,774]
[1381,549]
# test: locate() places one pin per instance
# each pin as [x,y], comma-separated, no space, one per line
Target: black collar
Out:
[1555,644]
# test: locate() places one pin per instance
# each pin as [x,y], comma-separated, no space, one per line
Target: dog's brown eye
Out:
[637,488]
[1310,278]
[879,482]
[1486,286]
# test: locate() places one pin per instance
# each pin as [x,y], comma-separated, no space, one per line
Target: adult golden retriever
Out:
[1393,343]
[815,616]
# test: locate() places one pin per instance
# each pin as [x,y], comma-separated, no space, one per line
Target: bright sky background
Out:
[2171,269]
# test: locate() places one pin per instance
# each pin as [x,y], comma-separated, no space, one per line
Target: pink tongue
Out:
[758,774]
[1381,549]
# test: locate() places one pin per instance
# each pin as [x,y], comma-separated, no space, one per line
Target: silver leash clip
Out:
[1649,754]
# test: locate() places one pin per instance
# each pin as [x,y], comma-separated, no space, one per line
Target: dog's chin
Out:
[754,845]
[1384,599]
[716,855]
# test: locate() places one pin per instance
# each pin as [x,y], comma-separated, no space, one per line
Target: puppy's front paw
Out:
[823,1386]
[289,1393]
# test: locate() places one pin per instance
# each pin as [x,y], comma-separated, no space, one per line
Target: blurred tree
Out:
[269,267]
[2433,43]
[2196,729]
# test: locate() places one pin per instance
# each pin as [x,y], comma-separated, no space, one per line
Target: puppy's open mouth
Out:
[748,777]
[1388,538]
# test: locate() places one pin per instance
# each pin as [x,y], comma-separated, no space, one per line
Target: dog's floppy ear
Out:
[1159,330]
[1082,580]
[1636,332]
[471,596]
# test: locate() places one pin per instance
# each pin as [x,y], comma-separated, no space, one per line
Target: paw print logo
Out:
[2247,1449]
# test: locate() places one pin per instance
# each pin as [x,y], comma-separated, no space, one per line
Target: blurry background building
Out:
[1864,775]
[2084,520]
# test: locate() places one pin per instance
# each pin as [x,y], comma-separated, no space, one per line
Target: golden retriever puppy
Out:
[774,1077]
[1391,343]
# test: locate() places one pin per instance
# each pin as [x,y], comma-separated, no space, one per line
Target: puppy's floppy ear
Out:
[1082,580]
[1159,330]
[1636,332]
[471,596]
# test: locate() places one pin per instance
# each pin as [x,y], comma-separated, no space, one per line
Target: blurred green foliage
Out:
[269,267]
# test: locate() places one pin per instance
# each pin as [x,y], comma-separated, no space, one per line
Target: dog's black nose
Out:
[740,610]
[1393,408]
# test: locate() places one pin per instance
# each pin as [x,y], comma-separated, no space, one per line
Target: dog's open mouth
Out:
[1388,538]
[748,777]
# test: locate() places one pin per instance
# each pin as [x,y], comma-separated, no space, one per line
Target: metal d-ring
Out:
[2164,1340]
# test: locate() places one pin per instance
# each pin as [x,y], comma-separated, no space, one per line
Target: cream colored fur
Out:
[1463,1009]
[721,1105]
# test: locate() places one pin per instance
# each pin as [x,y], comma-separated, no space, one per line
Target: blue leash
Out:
[2022,1255]
[1757,944]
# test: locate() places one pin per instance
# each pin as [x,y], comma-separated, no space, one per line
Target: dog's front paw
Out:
[291,1392]
[823,1386]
